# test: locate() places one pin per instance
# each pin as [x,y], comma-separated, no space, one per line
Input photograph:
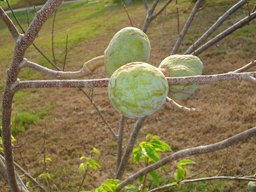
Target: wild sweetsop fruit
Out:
[137,89]
[130,44]
[180,66]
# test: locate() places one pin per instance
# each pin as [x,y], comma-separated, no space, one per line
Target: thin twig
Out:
[120,141]
[66,53]
[100,114]
[32,179]
[129,148]
[14,16]
[34,45]
[184,108]
[9,24]
[88,68]
[42,15]
[178,17]
[186,27]
[240,137]
[3,172]
[245,67]
[145,3]
[215,26]
[53,27]
[127,13]
[229,178]
[225,33]
[161,10]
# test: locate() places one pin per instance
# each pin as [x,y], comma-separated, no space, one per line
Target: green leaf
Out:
[148,136]
[151,153]
[83,158]
[179,174]
[109,185]
[45,176]
[137,153]
[154,178]
[174,183]
[48,159]
[82,167]
[184,162]
[95,150]
[93,164]
[160,145]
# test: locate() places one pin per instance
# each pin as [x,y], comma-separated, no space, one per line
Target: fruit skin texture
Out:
[130,44]
[180,66]
[252,186]
[137,89]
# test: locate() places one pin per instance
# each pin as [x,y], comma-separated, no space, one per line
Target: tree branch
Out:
[46,11]
[3,172]
[100,114]
[245,67]
[149,14]
[87,69]
[215,26]
[225,33]
[184,108]
[229,178]
[186,27]
[245,135]
[9,24]
[120,142]
[200,79]
[129,147]
[161,10]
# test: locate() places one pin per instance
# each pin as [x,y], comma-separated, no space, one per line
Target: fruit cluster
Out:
[137,89]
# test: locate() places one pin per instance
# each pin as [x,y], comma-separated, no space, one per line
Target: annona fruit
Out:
[130,44]
[252,186]
[137,89]
[179,66]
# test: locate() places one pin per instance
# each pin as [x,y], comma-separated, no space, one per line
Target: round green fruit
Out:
[181,66]
[130,44]
[190,61]
[252,186]
[137,89]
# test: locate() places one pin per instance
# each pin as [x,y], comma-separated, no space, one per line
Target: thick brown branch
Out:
[228,178]
[87,69]
[215,25]
[46,11]
[8,22]
[240,137]
[200,79]
[225,33]
[186,27]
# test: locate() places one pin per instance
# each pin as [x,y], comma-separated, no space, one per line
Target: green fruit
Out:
[137,89]
[181,66]
[128,45]
[252,186]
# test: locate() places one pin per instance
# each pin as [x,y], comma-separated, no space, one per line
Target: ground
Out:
[72,126]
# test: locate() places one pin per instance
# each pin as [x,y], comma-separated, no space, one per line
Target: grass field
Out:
[63,125]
